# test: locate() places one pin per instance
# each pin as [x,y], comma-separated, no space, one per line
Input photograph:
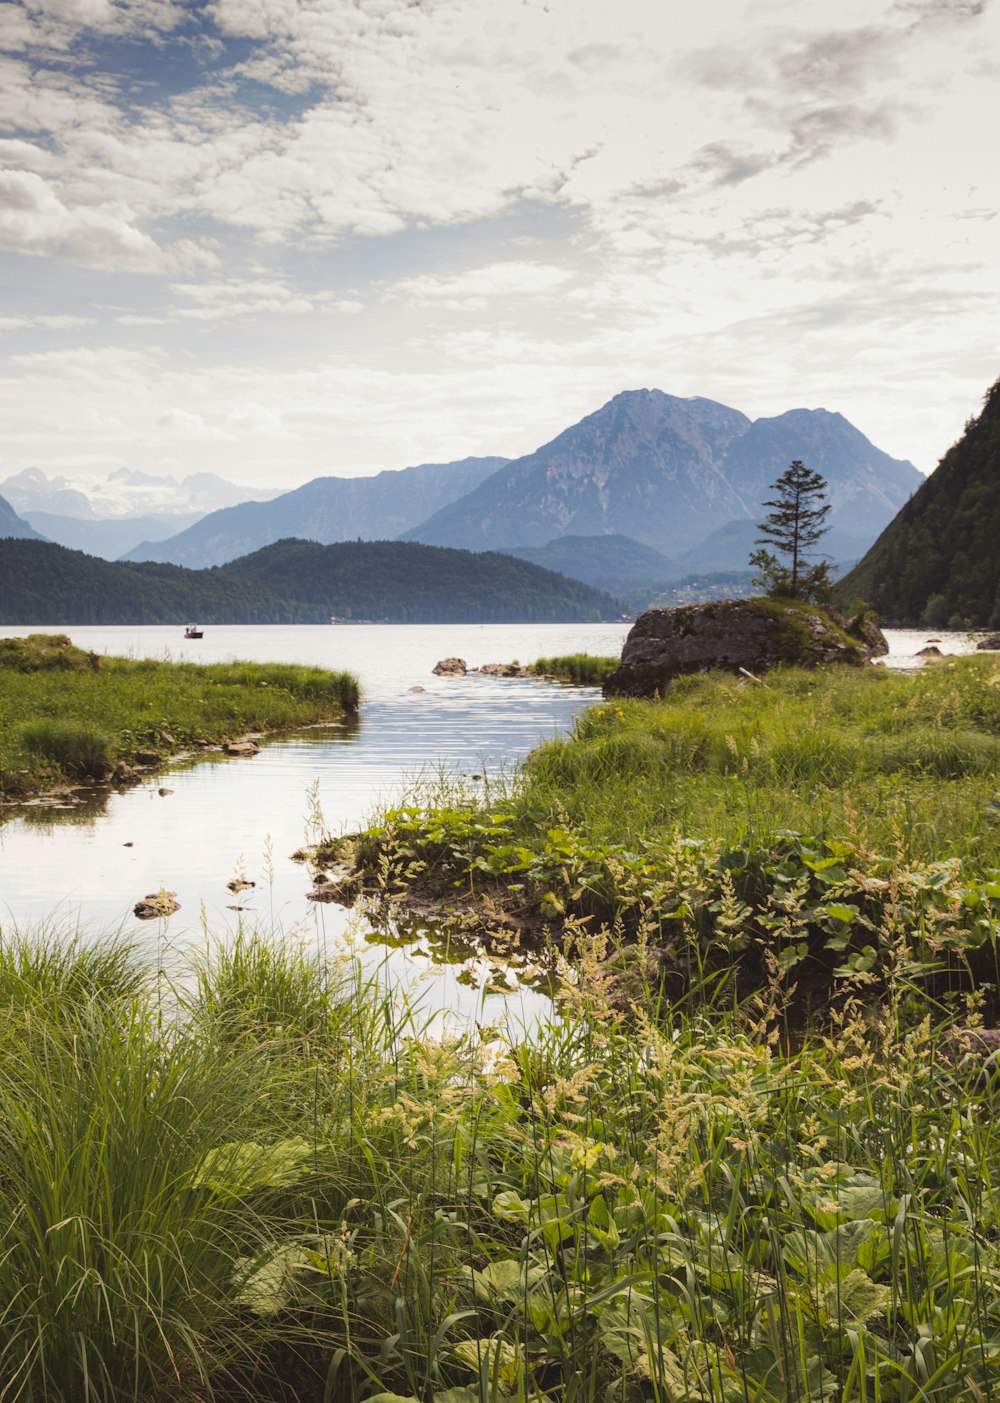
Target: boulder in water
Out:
[733,635]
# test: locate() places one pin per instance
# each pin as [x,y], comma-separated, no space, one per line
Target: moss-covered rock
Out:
[734,635]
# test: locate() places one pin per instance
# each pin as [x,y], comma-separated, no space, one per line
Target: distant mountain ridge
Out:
[111,537]
[13,526]
[327,509]
[937,562]
[665,472]
[668,472]
[124,493]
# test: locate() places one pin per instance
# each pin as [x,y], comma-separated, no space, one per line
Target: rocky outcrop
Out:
[989,644]
[732,635]
[450,667]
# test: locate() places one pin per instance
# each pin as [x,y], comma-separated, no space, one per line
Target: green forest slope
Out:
[937,563]
[290,582]
[410,583]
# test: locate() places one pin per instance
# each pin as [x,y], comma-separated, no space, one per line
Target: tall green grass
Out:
[77,748]
[804,821]
[609,1208]
[581,669]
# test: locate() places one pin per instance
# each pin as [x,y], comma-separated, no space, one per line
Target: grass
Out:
[66,715]
[278,1181]
[805,824]
[580,669]
[281,1184]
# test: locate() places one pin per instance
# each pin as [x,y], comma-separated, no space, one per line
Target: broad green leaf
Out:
[510,1206]
[502,1359]
[856,1299]
[242,1166]
[268,1285]
[506,1280]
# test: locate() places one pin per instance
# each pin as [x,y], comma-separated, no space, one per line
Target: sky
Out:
[281,238]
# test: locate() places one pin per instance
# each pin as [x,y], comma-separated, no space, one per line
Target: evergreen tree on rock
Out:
[792,527]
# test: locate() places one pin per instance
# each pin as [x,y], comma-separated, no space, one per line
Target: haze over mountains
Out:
[665,472]
[648,490]
[12,525]
[327,509]
[107,516]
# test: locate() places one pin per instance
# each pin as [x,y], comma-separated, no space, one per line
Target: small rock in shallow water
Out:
[418,689]
[155,904]
[240,747]
[164,792]
[450,667]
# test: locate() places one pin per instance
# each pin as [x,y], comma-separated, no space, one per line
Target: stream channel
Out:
[83,865]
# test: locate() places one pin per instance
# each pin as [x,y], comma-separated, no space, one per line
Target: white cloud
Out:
[34,220]
[762,204]
[476,288]
[45,322]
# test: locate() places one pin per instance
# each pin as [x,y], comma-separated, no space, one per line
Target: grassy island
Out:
[68,716]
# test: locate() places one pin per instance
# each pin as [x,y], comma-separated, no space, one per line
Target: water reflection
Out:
[86,862]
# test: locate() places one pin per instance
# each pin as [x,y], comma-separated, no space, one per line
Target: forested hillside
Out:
[42,583]
[410,583]
[937,563]
[290,582]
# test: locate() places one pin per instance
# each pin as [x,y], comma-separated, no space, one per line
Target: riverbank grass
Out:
[580,669]
[70,716]
[278,1183]
[817,821]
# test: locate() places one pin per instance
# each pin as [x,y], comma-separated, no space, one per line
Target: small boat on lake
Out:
[193,631]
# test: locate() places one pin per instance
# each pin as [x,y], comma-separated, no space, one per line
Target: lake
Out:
[86,865]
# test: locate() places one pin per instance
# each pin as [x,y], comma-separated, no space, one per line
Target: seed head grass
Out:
[611,1207]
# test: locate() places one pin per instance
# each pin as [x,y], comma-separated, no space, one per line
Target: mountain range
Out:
[664,472]
[668,472]
[327,509]
[937,563]
[109,516]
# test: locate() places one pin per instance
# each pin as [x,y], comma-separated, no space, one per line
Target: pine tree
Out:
[792,527]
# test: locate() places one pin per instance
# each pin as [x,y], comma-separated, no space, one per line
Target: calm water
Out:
[87,865]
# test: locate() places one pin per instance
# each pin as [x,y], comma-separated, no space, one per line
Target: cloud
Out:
[256,297]
[680,179]
[34,220]
[475,288]
[45,322]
